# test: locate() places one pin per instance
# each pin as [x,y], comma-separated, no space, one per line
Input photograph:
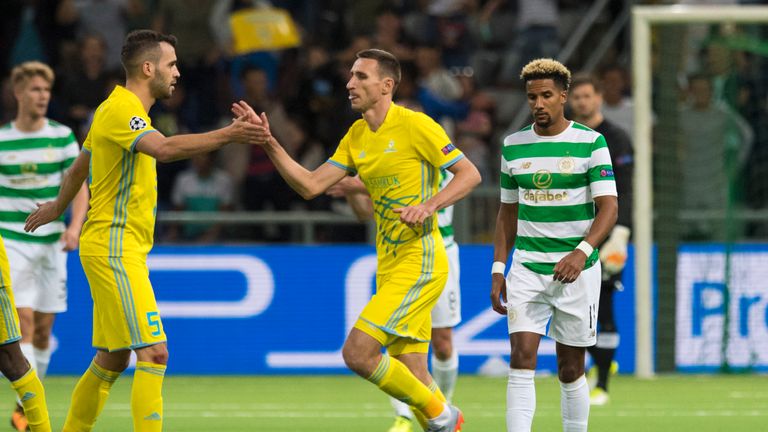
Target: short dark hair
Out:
[547,68]
[388,63]
[586,79]
[141,45]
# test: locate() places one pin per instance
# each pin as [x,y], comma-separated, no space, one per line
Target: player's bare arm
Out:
[308,184]
[71,236]
[569,268]
[354,191]
[169,149]
[465,178]
[71,184]
[503,241]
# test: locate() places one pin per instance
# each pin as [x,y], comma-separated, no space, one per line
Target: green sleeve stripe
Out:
[554,149]
[507,181]
[36,168]
[601,172]
[599,143]
[36,143]
[35,193]
[446,231]
[13,235]
[557,213]
[18,216]
[546,244]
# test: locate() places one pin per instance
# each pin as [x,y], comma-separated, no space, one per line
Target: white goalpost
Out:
[643,17]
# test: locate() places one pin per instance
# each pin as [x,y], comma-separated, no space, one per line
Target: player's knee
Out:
[442,348]
[357,362]
[113,361]
[569,373]
[41,338]
[13,364]
[523,359]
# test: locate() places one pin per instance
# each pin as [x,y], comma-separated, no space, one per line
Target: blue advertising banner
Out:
[287,310]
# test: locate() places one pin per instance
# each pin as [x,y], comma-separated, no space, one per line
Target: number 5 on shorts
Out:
[154,321]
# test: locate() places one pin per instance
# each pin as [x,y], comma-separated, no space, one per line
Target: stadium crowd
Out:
[461,60]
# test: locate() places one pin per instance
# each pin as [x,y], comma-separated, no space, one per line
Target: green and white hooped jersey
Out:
[32,165]
[554,179]
[445,216]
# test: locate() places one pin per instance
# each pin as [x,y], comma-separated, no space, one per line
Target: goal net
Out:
[701,187]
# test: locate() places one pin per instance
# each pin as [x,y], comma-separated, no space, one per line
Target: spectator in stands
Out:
[715,144]
[321,97]
[617,104]
[106,18]
[82,89]
[205,188]
[198,54]
[537,37]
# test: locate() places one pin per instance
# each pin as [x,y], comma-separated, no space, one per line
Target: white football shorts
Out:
[535,300]
[38,275]
[447,310]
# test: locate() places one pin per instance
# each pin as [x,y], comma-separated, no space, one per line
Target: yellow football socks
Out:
[147,398]
[32,396]
[88,399]
[395,379]
[419,416]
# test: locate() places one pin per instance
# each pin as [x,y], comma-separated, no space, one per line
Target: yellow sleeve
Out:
[124,125]
[342,157]
[87,143]
[433,144]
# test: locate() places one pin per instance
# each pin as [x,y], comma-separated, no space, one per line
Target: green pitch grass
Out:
[349,404]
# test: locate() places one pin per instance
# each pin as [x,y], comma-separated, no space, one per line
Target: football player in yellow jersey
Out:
[121,150]
[13,364]
[398,154]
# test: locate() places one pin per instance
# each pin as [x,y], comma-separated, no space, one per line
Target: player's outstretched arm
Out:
[70,185]
[308,184]
[465,178]
[168,149]
[569,268]
[503,241]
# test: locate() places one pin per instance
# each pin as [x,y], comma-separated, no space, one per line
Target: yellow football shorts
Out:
[399,315]
[9,318]
[125,314]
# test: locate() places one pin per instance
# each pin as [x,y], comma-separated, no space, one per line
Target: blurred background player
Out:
[586,103]
[119,157]
[34,154]
[558,202]
[447,311]
[398,154]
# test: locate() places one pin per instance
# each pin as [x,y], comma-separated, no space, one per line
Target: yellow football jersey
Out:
[400,165]
[123,182]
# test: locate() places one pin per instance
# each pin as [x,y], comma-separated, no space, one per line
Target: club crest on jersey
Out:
[137,123]
[566,165]
[390,147]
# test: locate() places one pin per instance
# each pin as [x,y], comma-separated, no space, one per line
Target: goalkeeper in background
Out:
[586,102]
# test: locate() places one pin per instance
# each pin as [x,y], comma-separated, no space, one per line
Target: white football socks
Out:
[42,360]
[574,405]
[521,400]
[445,373]
[401,409]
